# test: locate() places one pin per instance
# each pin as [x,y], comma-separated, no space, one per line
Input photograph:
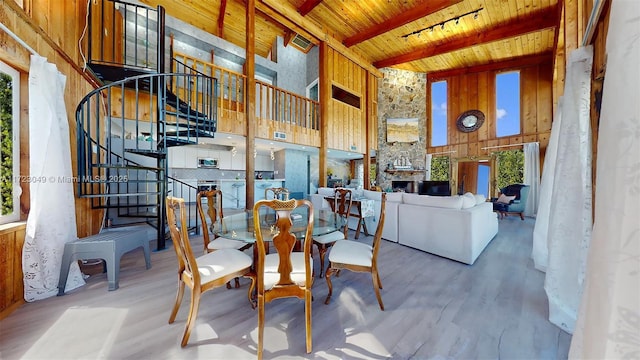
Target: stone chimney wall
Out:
[401,94]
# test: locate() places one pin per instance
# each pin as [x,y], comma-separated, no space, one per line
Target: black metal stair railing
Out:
[123,131]
[125,39]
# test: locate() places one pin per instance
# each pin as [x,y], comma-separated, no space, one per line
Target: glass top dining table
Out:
[240,226]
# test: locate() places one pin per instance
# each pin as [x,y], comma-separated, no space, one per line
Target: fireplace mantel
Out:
[404,171]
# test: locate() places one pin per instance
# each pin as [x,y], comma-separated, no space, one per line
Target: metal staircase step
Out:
[114,72]
[157,154]
[182,106]
[190,133]
[179,142]
[124,167]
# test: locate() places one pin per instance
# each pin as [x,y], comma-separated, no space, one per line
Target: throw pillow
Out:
[504,199]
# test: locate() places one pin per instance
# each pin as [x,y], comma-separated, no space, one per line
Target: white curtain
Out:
[608,324]
[427,166]
[570,219]
[52,218]
[540,252]
[532,176]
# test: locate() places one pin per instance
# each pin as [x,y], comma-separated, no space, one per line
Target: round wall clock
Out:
[470,120]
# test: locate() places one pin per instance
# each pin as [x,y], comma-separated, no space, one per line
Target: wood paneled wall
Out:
[346,123]
[478,91]
[56,38]
[11,284]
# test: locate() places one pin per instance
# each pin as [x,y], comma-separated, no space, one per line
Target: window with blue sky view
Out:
[439,113]
[508,104]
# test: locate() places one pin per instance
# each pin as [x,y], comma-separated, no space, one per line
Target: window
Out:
[439,113]
[510,168]
[9,143]
[508,103]
[440,168]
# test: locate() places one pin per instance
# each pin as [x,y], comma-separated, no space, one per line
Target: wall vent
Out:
[279,135]
[301,43]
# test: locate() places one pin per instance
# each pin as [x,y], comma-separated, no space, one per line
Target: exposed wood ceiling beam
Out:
[519,62]
[406,17]
[276,16]
[223,9]
[288,11]
[307,6]
[538,21]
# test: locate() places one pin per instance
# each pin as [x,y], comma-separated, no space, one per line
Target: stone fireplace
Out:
[408,186]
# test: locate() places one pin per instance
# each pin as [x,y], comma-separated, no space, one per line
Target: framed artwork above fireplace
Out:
[402,130]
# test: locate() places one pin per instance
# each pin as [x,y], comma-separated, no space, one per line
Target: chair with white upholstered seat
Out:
[359,257]
[341,205]
[202,273]
[288,272]
[211,217]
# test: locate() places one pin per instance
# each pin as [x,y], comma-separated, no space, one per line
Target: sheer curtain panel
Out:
[608,325]
[570,219]
[52,217]
[532,176]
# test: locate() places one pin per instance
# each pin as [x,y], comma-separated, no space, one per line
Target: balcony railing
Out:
[272,103]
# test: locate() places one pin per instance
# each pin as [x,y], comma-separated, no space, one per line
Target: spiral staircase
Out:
[125,127]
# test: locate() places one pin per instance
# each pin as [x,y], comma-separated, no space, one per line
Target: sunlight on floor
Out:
[68,338]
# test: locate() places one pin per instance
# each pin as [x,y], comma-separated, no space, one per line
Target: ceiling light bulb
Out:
[457,21]
[442,26]
[475,16]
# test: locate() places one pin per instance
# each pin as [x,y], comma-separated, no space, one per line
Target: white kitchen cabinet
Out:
[190,157]
[224,160]
[238,162]
[176,157]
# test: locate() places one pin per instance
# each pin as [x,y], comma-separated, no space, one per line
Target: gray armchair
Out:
[517,205]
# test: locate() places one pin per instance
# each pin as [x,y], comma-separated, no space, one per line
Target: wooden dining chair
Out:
[341,206]
[359,257]
[212,217]
[280,193]
[202,273]
[287,272]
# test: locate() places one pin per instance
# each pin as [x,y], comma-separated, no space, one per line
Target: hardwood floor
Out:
[435,309]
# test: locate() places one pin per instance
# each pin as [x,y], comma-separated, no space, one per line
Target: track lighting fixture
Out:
[455,19]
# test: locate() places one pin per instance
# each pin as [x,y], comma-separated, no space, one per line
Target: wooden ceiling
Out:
[387,33]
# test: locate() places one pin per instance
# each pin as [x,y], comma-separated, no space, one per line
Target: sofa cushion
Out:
[480,199]
[394,197]
[448,202]
[373,195]
[468,200]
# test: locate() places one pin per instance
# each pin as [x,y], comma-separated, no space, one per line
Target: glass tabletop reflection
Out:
[240,226]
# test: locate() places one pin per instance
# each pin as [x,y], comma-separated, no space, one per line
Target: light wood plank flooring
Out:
[435,309]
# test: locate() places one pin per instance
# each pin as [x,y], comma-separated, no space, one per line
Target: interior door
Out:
[467,177]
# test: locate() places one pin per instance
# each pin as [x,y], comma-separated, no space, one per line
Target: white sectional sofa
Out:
[455,227]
